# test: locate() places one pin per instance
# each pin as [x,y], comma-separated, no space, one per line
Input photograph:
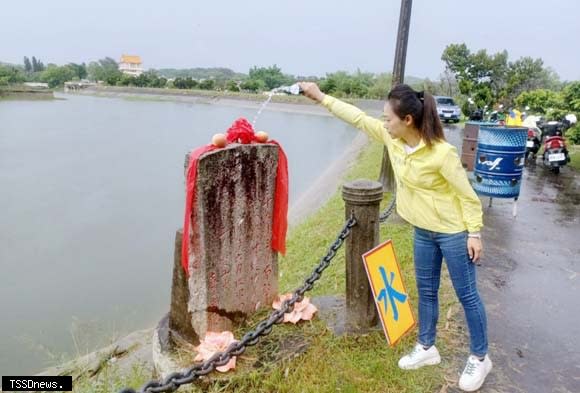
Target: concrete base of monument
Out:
[171,354]
[164,354]
[332,311]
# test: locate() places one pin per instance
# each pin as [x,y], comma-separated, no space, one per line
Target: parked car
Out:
[447,109]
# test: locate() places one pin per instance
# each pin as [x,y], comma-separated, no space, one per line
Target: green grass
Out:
[575,157]
[110,380]
[164,94]
[362,363]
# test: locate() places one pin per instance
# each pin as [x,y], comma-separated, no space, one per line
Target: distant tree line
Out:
[475,79]
[217,73]
[258,79]
[34,70]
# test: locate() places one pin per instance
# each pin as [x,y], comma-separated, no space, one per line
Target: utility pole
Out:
[387,178]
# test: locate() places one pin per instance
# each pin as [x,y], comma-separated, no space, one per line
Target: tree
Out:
[106,70]
[360,84]
[27,64]
[342,84]
[253,85]
[158,82]
[381,86]
[200,73]
[489,79]
[272,76]
[540,100]
[80,70]
[125,80]
[232,85]
[10,75]
[185,83]
[432,87]
[571,97]
[573,134]
[526,74]
[142,80]
[37,65]
[479,75]
[56,76]
[207,84]
[146,79]
[328,85]
[448,83]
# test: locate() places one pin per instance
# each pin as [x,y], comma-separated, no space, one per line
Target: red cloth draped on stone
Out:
[280,216]
[240,132]
[190,200]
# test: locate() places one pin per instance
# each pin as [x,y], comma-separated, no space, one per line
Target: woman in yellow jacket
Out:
[434,195]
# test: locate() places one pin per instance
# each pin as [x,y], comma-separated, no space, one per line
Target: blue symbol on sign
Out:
[389,292]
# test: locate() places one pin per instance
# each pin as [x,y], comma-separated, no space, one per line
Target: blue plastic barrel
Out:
[499,161]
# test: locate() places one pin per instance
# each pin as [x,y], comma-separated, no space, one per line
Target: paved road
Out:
[530,281]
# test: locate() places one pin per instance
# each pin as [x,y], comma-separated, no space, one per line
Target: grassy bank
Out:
[24,93]
[208,94]
[575,157]
[328,363]
[205,96]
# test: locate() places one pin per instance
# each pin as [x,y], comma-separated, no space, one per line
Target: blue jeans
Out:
[429,249]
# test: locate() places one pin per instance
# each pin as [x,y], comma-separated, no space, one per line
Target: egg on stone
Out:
[219,140]
[262,136]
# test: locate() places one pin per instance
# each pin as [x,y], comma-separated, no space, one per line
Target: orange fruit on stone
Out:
[219,140]
[262,136]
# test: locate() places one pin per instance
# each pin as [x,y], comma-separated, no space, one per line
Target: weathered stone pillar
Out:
[362,197]
[233,270]
[180,317]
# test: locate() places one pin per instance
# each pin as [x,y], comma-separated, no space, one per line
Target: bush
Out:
[232,86]
[253,85]
[207,84]
[10,75]
[185,83]
[573,134]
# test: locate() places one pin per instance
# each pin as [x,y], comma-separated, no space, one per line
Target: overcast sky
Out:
[303,37]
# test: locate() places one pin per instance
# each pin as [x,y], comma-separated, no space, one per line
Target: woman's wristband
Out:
[475,235]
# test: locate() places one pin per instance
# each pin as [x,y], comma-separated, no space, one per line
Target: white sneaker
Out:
[420,357]
[474,373]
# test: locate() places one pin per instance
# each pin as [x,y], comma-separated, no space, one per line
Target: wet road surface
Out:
[530,282]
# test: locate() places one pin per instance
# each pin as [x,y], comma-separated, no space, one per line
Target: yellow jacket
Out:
[514,118]
[433,191]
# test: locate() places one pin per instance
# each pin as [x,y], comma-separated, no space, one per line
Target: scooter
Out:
[476,115]
[555,152]
[533,144]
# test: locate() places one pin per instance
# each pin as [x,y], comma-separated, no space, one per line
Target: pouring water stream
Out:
[291,90]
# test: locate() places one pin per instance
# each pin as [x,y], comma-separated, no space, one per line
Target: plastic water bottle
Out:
[292,90]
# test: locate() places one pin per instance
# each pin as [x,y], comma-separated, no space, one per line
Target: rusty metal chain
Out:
[173,381]
[388,211]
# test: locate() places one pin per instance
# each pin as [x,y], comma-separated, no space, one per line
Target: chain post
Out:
[362,198]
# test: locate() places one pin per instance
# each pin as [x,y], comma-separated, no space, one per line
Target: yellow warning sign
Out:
[389,291]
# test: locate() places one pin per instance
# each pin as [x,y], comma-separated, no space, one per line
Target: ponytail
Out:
[431,128]
[422,108]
